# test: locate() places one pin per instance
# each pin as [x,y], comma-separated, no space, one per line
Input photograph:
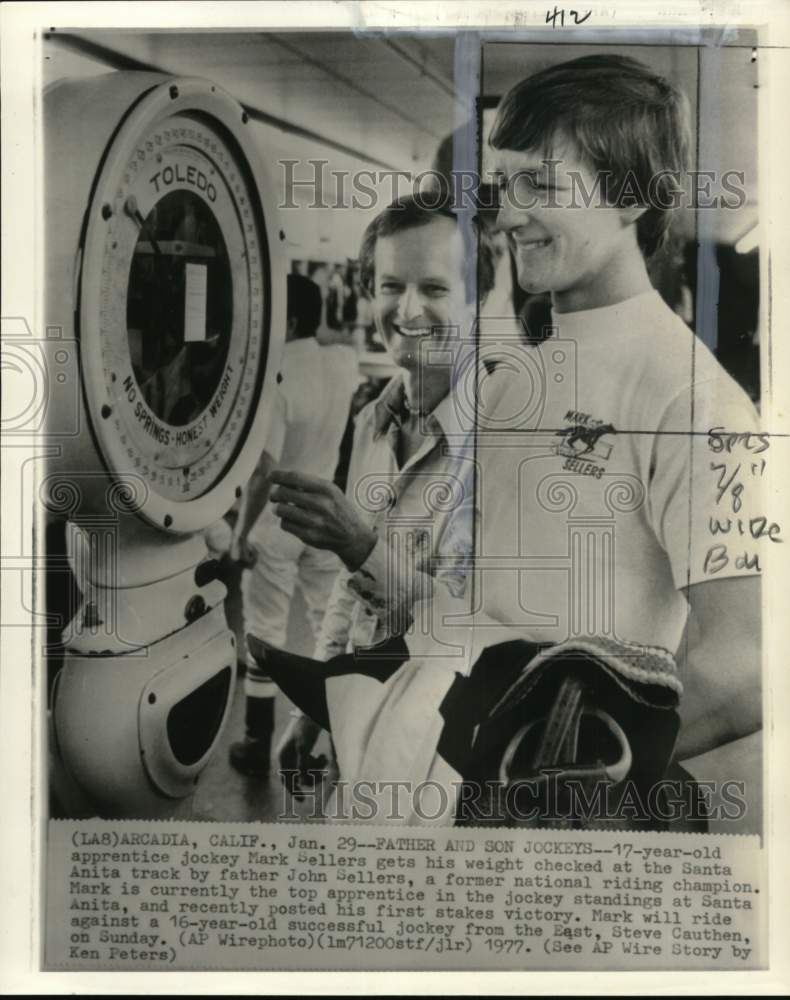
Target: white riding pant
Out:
[268,589]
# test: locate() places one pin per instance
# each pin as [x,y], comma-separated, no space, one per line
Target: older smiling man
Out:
[406,519]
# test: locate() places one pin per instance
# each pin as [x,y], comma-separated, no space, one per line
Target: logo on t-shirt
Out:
[581,442]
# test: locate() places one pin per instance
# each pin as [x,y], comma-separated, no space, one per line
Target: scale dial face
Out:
[176,300]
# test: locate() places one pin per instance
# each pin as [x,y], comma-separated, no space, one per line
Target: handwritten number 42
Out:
[559,14]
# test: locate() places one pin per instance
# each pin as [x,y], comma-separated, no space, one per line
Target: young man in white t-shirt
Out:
[615,497]
[602,505]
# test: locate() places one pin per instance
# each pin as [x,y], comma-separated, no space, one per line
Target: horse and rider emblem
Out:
[582,439]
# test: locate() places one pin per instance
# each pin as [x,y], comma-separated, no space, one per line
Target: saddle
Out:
[581,737]
[576,735]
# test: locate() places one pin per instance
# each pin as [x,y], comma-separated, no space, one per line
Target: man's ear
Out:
[290,326]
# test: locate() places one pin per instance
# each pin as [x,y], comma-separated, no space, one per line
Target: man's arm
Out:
[393,579]
[388,575]
[320,514]
[336,624]
[720,665]
[384,577]
[255,498]
[256,493]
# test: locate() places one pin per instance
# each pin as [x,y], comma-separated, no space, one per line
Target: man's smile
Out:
[520,243]
[412,331]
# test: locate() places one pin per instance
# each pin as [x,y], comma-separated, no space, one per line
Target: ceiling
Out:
[388,97]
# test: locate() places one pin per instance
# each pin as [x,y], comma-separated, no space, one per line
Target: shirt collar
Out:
[615,317]
[388,409]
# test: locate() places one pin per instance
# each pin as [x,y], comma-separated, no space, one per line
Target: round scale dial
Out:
[176,289]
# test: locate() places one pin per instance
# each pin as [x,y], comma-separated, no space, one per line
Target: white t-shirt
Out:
[312,406]
[601,491]
[311,409]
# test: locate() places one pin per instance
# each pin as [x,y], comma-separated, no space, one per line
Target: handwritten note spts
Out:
[737,525]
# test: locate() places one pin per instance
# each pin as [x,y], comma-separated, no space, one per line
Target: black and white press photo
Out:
[404,497]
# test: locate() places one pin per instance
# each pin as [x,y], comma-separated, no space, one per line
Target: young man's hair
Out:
[304,305]
[412,213]
[629,124]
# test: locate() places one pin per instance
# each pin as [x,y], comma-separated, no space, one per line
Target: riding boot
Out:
[252,755]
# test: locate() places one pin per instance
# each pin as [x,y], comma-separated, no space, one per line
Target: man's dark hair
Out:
[412,213]
[304,305]
[628,123]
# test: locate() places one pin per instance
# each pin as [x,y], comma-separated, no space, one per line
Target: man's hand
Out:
[296,744]
[242,551]
[296,761]
[318,513]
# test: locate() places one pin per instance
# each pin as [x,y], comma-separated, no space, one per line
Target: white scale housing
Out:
[166,293]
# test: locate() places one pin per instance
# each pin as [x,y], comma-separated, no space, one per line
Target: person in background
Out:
[312,408]
[336,295]
[363,317]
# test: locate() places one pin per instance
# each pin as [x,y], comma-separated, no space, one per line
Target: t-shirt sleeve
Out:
[706,495]
[337,621]
[343,368]
[402,571]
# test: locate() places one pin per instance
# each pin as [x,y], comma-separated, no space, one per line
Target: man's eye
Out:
[389,287]
[436,289]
